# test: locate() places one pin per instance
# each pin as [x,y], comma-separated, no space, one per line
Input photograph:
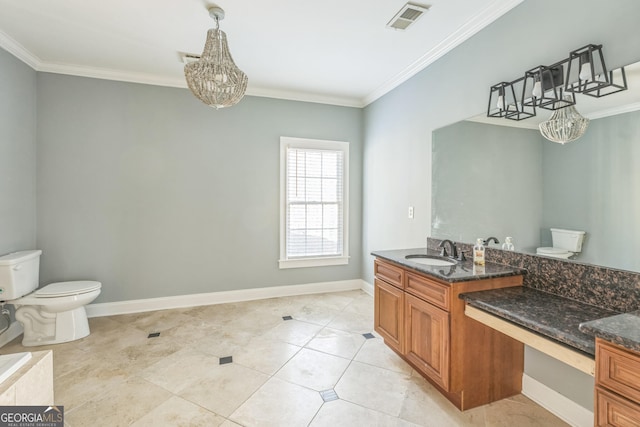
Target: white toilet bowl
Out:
[55,313]
[554,252]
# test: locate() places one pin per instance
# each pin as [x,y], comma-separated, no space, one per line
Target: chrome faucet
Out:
[452,248]
[488,240]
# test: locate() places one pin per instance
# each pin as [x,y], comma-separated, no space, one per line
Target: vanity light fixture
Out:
[552,88]
[214,78]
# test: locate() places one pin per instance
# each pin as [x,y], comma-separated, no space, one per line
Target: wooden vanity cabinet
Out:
[617,392]
[422,319]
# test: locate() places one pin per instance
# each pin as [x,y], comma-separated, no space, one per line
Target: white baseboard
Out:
[194,300]
[14,331]
[367,287]
[559,405]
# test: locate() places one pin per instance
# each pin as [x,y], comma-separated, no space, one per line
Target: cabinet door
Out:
[426,345]
[389,314]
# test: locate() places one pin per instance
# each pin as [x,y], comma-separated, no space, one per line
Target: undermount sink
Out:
[431,260]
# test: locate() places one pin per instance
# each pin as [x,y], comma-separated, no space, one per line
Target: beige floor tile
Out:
[229,423]
[519,411]
[180,369]
[314,370]
[362,304]
[375,352]
[278,403]
[224,388]
[224,342]
[314,314]
[264,355]
[120,406]
[177,412]
[374,388]
[339,343]
[343,413]
[293,331]
[135,358]
[333,301]
[90,381]
[223,315]
[154,321]
[190,333]
[353,322]
[424,405]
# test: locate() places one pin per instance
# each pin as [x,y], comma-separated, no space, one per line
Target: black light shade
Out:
[543,87]
[617,83]
[505,100]
[586,70]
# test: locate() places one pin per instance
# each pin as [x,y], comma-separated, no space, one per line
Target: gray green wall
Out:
[398,126]
[479,172]
[600,190]
[17,154]
[154,194]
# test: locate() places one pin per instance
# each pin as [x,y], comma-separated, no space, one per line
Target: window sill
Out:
[313,262]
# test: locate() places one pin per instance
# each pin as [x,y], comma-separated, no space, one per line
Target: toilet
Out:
[566,243]
[50,315]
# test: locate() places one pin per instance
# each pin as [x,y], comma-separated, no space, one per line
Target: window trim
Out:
[308,143]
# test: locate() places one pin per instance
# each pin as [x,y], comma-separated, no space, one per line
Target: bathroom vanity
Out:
[420,316]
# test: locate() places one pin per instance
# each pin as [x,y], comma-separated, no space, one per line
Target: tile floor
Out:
[314,369]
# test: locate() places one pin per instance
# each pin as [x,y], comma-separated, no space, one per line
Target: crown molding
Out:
[304,97]
[477,23]
[614,111]
[107,74]
[19,51]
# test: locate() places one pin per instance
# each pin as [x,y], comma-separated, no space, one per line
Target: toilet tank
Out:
[19,274]
[570,240]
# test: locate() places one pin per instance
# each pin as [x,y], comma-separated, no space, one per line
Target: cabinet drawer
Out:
[613,410]
[429,290]
[618,370]
[389,273]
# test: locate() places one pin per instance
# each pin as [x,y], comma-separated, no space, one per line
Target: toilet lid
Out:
[552,251]
[63,289]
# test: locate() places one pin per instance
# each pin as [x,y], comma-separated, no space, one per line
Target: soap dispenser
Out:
[478,252]
[508,244]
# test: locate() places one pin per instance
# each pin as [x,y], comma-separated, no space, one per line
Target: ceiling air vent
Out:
[189,57]
[409,14]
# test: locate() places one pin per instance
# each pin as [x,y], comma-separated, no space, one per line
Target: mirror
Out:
[497,177]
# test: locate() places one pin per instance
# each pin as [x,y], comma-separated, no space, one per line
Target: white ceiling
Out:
[332,51]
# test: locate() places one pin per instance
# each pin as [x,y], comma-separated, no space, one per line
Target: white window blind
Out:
[314,205]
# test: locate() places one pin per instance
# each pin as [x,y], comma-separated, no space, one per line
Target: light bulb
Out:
[585,71]
[500,102]
[537,89]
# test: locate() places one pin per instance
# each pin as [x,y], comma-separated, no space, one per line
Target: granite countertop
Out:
[554,317]
[461,272]
[622,329]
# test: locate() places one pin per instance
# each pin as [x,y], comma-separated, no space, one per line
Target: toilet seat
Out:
[63,289]
[554,252]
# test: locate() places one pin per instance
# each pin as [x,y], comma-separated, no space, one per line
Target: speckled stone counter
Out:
[554,317]
[623,329]
[461,272]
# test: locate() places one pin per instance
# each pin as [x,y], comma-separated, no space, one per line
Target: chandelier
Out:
[554,87]
[214,78]
[565,125]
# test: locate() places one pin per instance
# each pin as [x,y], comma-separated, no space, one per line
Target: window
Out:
[314,184]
